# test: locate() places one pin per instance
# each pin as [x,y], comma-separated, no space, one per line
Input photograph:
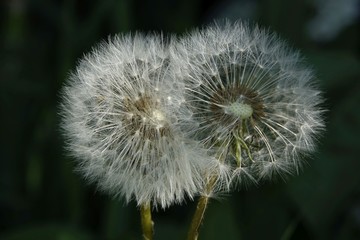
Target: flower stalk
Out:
[198,218]
[201,207]
[146,222]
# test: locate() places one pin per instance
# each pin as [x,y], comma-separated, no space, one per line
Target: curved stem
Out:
[200,210]
[146,222]
[198,218]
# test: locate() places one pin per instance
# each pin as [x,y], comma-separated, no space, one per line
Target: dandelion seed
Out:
[256,103]
[122,117]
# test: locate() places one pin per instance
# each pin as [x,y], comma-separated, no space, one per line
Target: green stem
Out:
[198,218]
[146,221]
[200,210]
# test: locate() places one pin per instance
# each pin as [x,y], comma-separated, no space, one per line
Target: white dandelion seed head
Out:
[123,118]
[255,101]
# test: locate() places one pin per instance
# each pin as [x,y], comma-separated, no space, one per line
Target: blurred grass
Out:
[42,198]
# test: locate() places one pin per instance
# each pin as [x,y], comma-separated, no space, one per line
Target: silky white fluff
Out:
[125,122]
[256,103]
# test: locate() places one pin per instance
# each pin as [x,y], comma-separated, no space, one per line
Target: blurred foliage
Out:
[42,198]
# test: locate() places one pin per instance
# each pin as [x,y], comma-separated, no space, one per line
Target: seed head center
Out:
[238,109]
[158,117]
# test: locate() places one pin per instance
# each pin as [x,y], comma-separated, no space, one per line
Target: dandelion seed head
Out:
[256,102]
[123,117]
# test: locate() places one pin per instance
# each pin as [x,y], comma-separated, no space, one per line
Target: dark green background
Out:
[42,198]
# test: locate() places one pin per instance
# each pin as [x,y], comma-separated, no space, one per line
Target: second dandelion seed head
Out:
[253,98]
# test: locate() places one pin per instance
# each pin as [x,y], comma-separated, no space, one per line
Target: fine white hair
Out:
[157,120]
[125,123]
[255,101]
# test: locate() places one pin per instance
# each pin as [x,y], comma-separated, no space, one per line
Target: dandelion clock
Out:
[256,103]
[124,123]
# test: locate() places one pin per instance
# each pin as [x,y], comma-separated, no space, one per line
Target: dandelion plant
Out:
[158,120]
